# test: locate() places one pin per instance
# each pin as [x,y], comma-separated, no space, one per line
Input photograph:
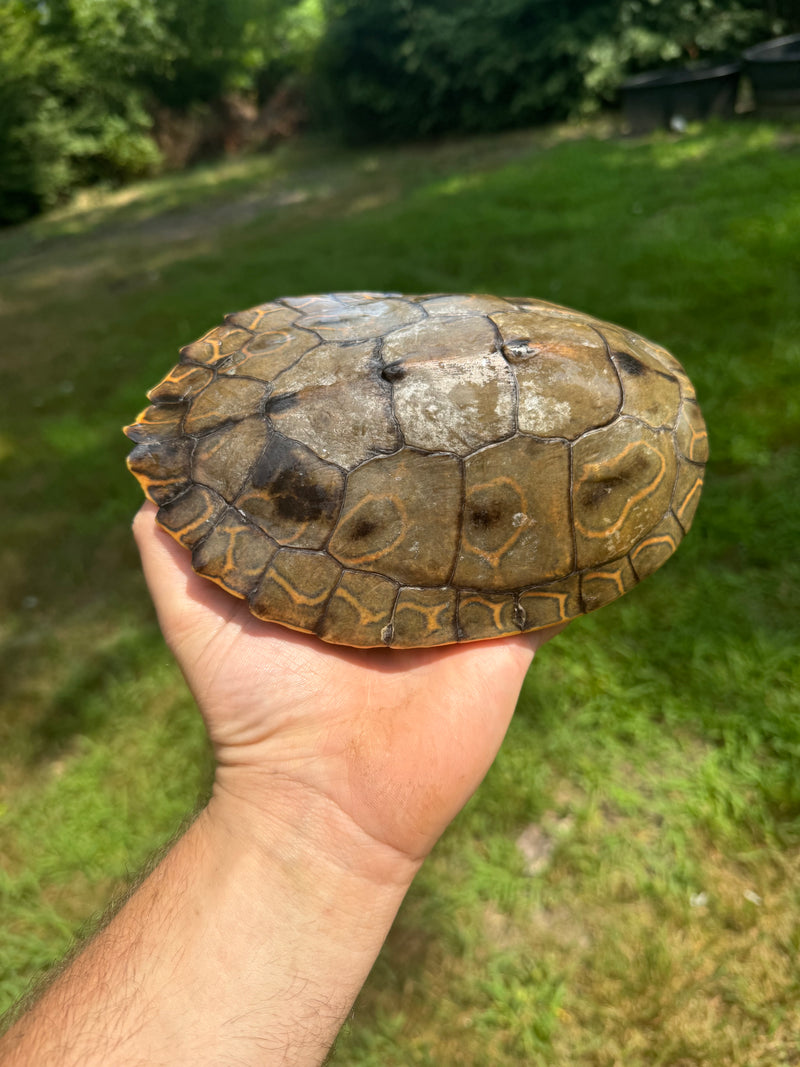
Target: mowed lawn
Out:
[654,760]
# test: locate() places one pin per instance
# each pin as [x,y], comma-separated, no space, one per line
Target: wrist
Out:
[301,836]
[248,942]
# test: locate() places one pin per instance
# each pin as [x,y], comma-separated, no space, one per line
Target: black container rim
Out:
[676,76]
[759,53]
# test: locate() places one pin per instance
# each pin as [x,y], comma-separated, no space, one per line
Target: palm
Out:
[397,740]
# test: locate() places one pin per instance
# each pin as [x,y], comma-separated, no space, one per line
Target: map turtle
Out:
[406,471]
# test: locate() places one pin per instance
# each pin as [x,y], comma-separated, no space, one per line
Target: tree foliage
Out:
[62,123]
[34,124]
[79,78]
[399,68]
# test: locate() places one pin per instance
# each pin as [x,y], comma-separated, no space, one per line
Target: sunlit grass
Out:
[656,746]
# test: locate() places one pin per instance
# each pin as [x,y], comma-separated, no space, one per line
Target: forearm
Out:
[247,944]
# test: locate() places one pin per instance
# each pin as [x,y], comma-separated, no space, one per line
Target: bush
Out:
[79,80]
[34,132]
[399,68]
[64,123]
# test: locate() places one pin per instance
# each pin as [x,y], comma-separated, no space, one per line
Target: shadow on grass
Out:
[77,706]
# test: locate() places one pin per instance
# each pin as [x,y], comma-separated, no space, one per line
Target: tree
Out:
[35,131]
[79,79]
[400,68]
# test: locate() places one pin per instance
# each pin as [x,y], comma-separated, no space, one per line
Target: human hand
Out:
[393,741]
[336,772]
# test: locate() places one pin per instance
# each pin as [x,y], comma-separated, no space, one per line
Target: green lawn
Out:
[656,746]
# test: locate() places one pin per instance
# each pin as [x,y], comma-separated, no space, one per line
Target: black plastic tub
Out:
[668,99]
[774,70]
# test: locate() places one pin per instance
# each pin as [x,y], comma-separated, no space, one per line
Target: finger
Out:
[522,647]
[182,599]
[537,638]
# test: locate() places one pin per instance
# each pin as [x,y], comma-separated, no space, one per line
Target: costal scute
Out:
[405,471]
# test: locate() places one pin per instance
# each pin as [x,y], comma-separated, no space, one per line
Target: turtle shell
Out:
[403,471]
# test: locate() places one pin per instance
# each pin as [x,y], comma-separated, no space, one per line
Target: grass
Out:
[656,745]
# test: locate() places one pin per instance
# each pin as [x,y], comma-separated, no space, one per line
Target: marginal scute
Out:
[182,382]
[410,471]
[215,345]
[192,516]
[295,588]
[691,433]
[688,487]
[551,604]
[425,617]
[198,352]
[656,547]
[482,616]
[601,585]
[163,466]
[361,605]
[235,554]
[156,423]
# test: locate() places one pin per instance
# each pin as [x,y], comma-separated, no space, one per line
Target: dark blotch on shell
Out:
[297,492]
[276,404]
[393,372]
[630,364]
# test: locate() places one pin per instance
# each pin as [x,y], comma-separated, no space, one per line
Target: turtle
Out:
[386,470]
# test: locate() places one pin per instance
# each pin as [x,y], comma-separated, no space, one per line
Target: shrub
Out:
[79,80]
[34,132]
[64,124]
[400,68]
